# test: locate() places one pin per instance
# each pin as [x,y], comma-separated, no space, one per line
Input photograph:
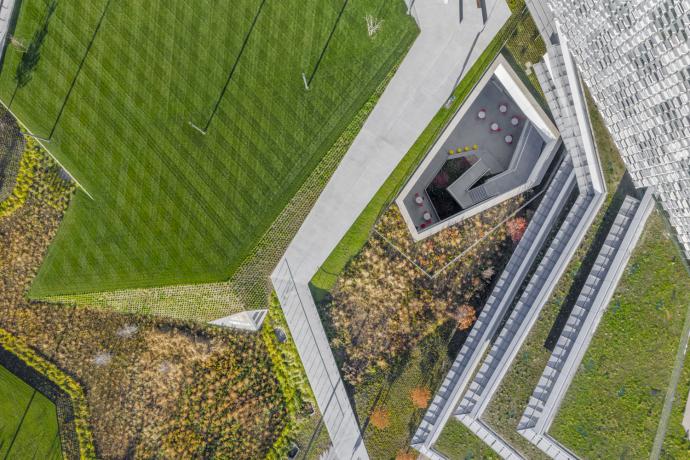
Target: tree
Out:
[466,315]
[516,228]
[420,397]
[380,418]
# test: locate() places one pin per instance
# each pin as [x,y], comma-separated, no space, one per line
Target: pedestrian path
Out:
[444,49]
[6,11]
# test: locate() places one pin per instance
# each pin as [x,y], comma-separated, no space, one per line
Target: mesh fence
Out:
[250,286]
[11,147]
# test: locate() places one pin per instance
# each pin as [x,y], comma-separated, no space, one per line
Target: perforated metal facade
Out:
[634,56]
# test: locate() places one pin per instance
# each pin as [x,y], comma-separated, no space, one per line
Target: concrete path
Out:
[6,10]
[444,50]
[419,88]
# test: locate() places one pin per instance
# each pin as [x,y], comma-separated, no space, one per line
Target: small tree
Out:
[516,228]
[402,455]
[380,418]
[466,315]
[420,397]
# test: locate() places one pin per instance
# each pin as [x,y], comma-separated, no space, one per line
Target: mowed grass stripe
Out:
[28,421]
[62,52]
[172,206]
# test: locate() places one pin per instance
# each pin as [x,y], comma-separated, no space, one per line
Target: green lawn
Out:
[171,205]
[615,400]
[457,442]
[28,421]
[511,36]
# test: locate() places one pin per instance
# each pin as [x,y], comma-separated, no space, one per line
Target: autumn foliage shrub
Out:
[380,418]
[516,228]
[403,455]
[420,397]
[383,305]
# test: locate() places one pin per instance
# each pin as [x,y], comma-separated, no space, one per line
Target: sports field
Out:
[115,85]
[28,421]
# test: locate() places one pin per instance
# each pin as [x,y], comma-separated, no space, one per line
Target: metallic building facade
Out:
[634,57]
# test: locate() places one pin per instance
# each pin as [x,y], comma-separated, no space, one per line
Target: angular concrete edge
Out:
[565,360]
[249,320]
[500,69]
[567,107]
[472,407]
[311,342]
[450,392]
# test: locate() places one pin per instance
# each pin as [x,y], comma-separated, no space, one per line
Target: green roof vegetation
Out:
[457,442]
[615,400]
[116,86]
[516,41]
[28,421]
[390,391]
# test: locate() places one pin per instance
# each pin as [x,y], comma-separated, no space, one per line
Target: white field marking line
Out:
[47,150]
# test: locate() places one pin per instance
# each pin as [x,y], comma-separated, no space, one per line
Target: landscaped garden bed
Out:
[386,301]
[401,309]
[616,426]
[153,387]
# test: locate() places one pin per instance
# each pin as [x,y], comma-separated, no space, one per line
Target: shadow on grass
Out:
[234,66]
[328,42]
[81,66]
[312,440]
[32,56]
[625,187]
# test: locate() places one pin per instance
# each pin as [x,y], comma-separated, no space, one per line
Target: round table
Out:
[418,199]
[427,216]
[514,121]
[509,139]
[503,108]
[494,126]
[482,114]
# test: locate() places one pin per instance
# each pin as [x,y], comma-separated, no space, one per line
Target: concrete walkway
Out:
[6,10]
[418,90]
[445,49]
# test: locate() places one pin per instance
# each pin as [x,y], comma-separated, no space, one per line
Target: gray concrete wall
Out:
[502,295]
[581,325]
[443,52]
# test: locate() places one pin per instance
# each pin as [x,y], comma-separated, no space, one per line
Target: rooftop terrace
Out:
[498,145]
